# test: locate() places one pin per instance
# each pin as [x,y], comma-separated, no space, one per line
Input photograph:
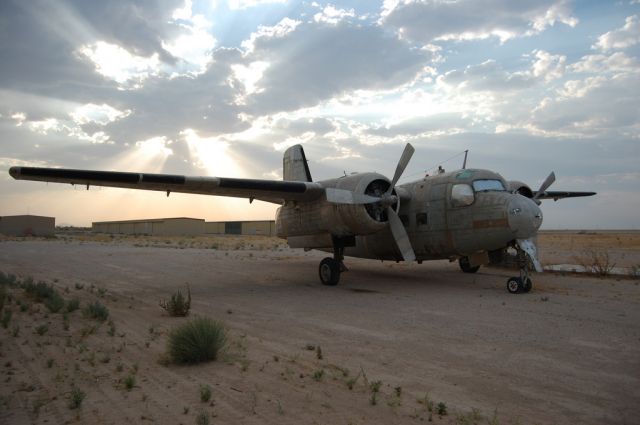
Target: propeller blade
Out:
[402,164]
[545,185]
[341,196]
[400,235]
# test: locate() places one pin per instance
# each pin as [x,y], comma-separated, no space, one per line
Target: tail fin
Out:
[294,165]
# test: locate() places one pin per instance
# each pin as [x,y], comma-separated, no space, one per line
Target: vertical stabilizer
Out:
[294,165]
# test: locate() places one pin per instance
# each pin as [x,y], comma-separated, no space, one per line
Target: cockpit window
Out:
[488,186]
[461,195]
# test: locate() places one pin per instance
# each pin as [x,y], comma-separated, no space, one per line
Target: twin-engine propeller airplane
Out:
[469,215]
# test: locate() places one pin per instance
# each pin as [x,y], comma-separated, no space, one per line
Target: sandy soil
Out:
[568,352]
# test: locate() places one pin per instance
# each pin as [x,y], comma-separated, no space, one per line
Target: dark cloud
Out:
[317,61]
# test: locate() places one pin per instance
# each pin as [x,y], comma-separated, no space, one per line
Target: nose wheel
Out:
[522,283]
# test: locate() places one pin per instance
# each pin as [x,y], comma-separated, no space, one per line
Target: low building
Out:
[27,225]
[178,226]
[260,227]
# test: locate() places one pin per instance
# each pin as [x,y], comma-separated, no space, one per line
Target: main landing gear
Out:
[522,283]
[330,268]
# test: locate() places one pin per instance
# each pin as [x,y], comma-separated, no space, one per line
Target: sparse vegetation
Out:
[198,340]
[76,398]
[96,311]
[442,409]
[112,328]
[129,382]
[318,374]
[205,393]
[319,353]
[42,329]
[178,305]
[6,318]
[55,303]
[202,418]
[72,305]
[634,271]
[596,262]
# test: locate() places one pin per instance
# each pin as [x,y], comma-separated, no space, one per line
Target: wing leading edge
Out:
[274,191]
[555,195]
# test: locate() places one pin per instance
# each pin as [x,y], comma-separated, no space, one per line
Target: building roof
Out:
[147,220]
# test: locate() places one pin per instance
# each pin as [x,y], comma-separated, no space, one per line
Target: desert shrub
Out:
[6,318]
[442,409]
[76,398]
[96,311]
[54,303]
[42,329]
[8,279]
[634,271]
[3,297]
[196,341]
[39,291]
[178,305]
[205,393]
[129,382]
[595,262]
[72,305]
[202,418]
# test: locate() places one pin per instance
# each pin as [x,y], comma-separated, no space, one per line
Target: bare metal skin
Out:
[470,215]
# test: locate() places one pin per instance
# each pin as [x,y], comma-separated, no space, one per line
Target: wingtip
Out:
[14,172]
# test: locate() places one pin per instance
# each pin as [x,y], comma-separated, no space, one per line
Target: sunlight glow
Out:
[211,154]
[146,156]
[116,63]
[98,114]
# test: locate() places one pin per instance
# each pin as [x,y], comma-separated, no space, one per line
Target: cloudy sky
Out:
[222,88]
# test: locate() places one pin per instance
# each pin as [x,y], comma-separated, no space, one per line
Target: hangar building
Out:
[179,226]
[261,227]
[184,226]
[27,225]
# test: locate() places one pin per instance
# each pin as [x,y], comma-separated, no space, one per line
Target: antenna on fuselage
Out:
[464,163]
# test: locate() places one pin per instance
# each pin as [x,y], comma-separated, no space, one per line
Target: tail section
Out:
[294,165]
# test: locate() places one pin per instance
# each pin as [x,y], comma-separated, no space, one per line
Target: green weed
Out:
[178,305]
[205,393]
[197,340]
[96,311]
[77,396]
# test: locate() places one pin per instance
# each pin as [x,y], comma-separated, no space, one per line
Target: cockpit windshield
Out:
[488,186]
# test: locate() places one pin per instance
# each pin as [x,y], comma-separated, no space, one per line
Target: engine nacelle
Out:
[521,188]
[346,220]
[323,217]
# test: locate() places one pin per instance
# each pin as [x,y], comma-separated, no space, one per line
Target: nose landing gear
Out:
[522,283]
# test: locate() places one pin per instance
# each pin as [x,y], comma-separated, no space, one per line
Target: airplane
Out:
[473,216]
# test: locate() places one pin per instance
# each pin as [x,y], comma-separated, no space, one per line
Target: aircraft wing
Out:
[275,191]
[555,195]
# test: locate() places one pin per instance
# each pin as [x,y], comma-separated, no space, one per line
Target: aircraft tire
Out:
[514,285]
[329,271]
[527,285]
[463,262]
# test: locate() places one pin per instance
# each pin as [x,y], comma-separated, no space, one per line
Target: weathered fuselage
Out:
[447,215]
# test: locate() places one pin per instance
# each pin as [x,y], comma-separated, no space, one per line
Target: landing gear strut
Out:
[522,283]
[330,268]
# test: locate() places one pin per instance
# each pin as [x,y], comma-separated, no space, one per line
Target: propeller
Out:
[544,186]
[341,196]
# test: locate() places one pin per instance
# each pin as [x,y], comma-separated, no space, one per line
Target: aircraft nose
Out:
[524,215]
[14,172]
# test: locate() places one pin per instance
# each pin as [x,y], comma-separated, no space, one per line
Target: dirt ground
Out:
[566,353]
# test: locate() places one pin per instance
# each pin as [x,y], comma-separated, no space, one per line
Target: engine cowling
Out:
[324,217]
[521,188]
[345,219]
